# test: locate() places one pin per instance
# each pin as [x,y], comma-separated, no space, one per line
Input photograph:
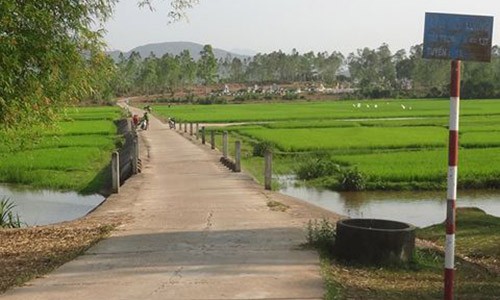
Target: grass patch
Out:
[70,156]
[476,236]
[103,142]
[477,264]
[7,217]
[90,113]
[303,139]
[91,126]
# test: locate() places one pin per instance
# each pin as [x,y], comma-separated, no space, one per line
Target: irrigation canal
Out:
[415,207]
[42,207]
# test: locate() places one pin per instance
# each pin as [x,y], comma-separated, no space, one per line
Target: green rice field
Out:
[392,144]
[330,110]
[71,156]
[303,139]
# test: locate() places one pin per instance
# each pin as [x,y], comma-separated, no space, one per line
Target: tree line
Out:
[159,75]
[372,73]
[166,74]
[381,73]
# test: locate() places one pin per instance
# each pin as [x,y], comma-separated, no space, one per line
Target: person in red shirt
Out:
[135,120]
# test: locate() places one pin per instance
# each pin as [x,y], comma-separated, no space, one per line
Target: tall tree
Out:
[188,67]
[328,66]
[48,49]
[102,73]
[207,65]
[169,74]
[482,80]
[236,70]
[45,46]
[148,77]
[373,70]
[430,77]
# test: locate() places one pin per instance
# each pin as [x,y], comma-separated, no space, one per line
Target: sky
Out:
[306,25]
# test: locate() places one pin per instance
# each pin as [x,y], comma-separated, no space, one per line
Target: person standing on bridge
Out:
[135,121]
[145,121]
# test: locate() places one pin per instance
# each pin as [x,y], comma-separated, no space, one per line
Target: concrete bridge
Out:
[195,230]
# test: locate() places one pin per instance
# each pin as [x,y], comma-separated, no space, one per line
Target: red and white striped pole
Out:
[449,260]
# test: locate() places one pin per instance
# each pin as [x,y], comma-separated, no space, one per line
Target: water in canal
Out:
[414,207]
[42,207]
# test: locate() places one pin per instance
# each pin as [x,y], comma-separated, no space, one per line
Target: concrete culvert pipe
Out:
[374,241]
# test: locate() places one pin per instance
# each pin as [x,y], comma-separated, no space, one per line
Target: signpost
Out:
[455,37]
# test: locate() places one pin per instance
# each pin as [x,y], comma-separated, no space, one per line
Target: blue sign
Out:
[458,37]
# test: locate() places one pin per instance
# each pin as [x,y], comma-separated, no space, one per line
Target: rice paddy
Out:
[71,156]
[394,144]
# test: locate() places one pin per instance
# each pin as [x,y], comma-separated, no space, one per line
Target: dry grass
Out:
[423,281]
[30,252]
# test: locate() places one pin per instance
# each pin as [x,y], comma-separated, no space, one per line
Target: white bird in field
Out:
[376,106]
[359,105]
[403,107]
[368,106]
[409,108]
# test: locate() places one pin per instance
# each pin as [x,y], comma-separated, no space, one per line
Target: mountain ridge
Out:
[173,48]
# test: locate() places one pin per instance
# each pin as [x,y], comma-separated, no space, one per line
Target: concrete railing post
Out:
[268,169]
[212,139]
[197,131]
[190,128]
[237,156]
[224,144]
[203,135]
[135,156]
[115,172]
